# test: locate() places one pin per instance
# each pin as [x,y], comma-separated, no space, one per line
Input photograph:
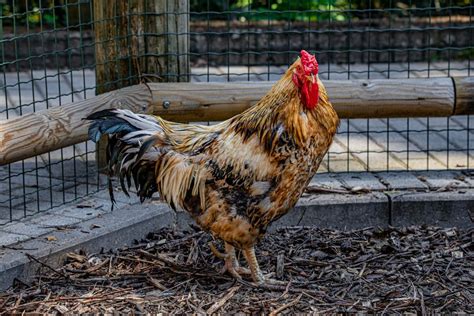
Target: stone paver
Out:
[7,239]
[443,180]
[53,221]
[26,227]
[341,211]
[85,210]
[401,180]
[363,180]
[329,181]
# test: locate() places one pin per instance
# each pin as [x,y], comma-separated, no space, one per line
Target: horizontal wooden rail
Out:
[36,133]
[44,131]
[351,99]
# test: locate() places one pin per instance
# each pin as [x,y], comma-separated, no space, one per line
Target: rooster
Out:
[236,177]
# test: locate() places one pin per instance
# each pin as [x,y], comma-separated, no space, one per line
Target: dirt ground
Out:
[416,269]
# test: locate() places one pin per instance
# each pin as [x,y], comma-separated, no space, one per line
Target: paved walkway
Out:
[65,175]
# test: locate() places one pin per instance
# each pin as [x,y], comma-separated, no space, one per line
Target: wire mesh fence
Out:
[47,61]
[48,51]
[352,40]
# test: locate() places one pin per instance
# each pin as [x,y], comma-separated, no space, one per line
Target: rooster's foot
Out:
[233,268]
[258,277]
[231,264]
[243,271]
[270,281]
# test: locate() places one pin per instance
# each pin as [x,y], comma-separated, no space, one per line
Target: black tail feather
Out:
[111,194]
[130,137]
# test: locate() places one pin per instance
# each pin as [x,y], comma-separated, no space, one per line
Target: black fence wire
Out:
[48,59]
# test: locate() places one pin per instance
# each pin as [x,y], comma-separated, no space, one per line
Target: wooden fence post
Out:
[169,40]
[139,40]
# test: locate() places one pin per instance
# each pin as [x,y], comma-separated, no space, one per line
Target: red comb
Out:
[309,63]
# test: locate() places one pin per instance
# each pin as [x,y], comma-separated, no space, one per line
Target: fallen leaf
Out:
[51,238]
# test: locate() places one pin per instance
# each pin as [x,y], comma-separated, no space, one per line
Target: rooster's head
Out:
[305,79]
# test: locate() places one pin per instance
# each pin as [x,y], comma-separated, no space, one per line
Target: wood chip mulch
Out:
[391,270]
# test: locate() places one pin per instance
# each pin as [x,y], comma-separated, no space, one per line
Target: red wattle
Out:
[304,80]
[310,95]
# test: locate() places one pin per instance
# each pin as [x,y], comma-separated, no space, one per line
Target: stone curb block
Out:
[112,230]
[434,208]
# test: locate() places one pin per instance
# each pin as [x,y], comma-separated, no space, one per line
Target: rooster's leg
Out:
[231,264]
[257,274]
[231,261]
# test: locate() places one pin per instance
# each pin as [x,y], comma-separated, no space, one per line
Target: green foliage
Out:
[467,53]
[52,12]
[323,10]
[306,10]
[29,12]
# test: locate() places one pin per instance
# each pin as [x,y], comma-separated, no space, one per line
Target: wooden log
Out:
[37,133]
[188,102]
[464,87]
[191,102]
[44,131]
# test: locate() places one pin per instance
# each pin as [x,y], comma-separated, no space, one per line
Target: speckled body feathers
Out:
[235,177]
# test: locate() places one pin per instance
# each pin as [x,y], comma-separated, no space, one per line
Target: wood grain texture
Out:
[464,95]
[351,99]
[171,45]
[48,130]
[117,30]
